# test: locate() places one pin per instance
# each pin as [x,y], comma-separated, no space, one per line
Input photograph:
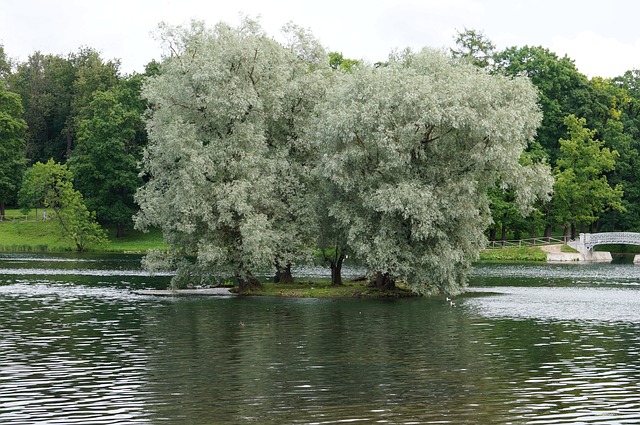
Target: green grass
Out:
[532,253]
[18,215]
[135,241]
[20,235]
[322,289]
[31,236]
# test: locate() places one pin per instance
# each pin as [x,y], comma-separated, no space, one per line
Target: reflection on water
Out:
[528,344]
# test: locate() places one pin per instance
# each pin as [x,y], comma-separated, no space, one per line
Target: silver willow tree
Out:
[411,148]
[225,163]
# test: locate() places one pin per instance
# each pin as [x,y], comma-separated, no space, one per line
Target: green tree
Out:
[474,46]
[338,61]
[110,139]
[50,185]
[44,84]
[92,74]
[5,65]
[562,89]
[581,190]
[223,141]
[413,148]
[54,91]
[621,132]
[12,161]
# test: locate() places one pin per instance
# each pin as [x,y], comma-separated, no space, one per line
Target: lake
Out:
[529,343]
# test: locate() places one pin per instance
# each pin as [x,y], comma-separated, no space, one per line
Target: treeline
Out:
[79,110]
[590,135]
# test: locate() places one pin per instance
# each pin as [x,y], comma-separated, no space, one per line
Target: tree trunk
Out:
[247,282]
[1,211]
[566,233]
[384,282]
[532,232]
[119,230]
[547,233]
[336,271]
[504,233]
[573,231]
[283,275]
[517,234]
[492,234]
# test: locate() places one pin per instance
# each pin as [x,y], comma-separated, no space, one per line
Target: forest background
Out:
[80,112]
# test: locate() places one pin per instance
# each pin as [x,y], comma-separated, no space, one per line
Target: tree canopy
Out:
[582,191]
[223,132]
[12,160]
[50,185]
[105,160]
[413,147]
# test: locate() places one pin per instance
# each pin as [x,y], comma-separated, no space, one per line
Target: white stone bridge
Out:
[587,241]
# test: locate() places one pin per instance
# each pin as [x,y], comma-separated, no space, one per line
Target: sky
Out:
[603,38]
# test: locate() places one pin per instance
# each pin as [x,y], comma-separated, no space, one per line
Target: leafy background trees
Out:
[608,108]
[12,160]
[261,152]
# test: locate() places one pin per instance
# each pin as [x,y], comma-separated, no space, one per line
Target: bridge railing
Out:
[609,238]
[517,243]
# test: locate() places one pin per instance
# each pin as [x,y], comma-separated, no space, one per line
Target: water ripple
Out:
[86,350]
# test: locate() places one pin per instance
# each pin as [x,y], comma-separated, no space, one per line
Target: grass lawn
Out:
[20,233]
[532,253]
[135,241]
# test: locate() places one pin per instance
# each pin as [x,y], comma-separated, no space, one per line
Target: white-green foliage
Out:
[224,159]
[405,154]
[413,147]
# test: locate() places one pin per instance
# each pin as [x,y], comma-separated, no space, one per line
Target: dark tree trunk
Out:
[384,282]
[517,234]
[492,234]
[247,283]
[2,211]
[119,230]
[566,233]
[336,270]
[283,274]
[573,231]
[504,233]
[532,232]
[547,233]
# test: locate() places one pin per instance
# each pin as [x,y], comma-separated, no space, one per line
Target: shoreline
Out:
[219,291]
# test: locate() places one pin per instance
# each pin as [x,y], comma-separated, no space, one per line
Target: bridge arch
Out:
[591,240]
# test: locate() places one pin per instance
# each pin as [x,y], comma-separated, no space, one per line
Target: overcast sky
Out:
[603,38]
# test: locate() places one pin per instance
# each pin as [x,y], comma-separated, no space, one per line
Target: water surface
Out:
[528,344]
